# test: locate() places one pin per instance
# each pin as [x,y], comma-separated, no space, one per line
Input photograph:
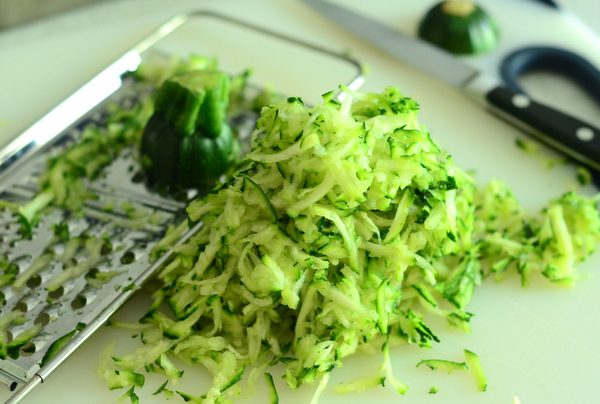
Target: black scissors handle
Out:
[540,58]
[550,3]
[572,136]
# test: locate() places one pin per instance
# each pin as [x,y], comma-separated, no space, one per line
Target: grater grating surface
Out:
[54,286]
[64,283]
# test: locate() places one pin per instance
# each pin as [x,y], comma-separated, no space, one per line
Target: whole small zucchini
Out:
[460,27]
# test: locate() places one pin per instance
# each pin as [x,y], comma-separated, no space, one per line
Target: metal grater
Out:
[109,258]
[100,272]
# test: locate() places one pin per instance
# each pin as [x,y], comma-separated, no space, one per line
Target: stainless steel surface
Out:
[411,50]
[79,304]
[77,301]
[98,321]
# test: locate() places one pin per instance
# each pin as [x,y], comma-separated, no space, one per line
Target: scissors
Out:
[547,58]
[505,98]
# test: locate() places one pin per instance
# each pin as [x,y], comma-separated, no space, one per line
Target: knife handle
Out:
[564,132]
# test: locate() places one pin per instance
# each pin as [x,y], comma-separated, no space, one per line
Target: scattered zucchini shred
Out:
[360,385]
[346,226]
[474,365]
[537,150]
[273,396]
[584,175]
[442,364]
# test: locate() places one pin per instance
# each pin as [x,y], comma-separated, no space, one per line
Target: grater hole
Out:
[34,281]
[22,259]
[79,302]
[13,268]
[106,248]
[56,293]
[128,258]
[92,276]
[84,298]
[71,262]
[28,349]
[8,294]
[92,273]
[138,177]
[18,263]
[21,306]
[43,319]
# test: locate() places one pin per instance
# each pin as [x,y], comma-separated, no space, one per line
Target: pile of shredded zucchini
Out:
[345,227]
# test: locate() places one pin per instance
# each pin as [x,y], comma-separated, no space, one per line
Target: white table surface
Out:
[41,63]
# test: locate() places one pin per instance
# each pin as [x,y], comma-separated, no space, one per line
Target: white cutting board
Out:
[538,344]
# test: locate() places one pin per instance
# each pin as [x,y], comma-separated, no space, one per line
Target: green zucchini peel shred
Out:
[474,365]
[444,365]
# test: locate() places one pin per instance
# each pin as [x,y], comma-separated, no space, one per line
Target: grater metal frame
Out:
[20,159]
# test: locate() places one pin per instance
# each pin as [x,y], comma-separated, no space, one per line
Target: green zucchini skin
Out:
[160,150]
[203,159]
[188,143]
[460,27]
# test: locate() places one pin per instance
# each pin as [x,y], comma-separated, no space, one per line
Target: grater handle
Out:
[25,389]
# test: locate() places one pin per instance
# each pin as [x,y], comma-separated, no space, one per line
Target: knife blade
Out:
[565,133]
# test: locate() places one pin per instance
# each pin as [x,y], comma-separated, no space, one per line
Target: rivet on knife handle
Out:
[570,135]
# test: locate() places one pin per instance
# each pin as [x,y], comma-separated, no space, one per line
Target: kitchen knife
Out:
[569,135]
